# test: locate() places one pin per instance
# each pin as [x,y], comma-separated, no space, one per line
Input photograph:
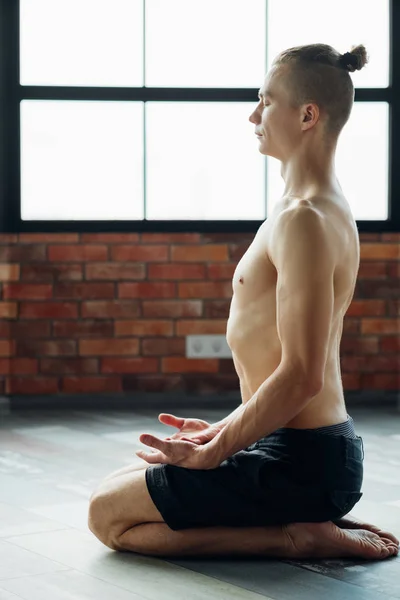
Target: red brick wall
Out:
[87,313]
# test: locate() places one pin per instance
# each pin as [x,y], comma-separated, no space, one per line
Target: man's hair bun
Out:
[354,60]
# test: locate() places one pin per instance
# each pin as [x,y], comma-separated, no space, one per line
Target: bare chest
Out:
[251,328]
[253,286]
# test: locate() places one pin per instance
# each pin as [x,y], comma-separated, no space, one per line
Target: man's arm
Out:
[305,262]
[277,400]
[246,395]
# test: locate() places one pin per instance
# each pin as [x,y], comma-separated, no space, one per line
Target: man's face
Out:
[274,118]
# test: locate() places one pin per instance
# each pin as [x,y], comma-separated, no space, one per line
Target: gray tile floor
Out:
[50,462]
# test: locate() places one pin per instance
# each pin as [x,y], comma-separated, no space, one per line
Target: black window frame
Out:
[12,93]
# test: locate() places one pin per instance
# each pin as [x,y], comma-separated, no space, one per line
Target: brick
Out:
[370,364]
[351,381]
[236,251]
[379,251]
[369,237]
[359,345]
[140,253]
[217,309]
[226,365]
[24,329]
[36,348]
[8,238]
[172,308]
[9,272]
[163,289]
[78,253]
[5,329]
[7,347]
[217,237]
[206,289]
[379,326]
[390,343]
[18,366]
[351,326]
[110,238]
[372,270]
[203,327]
[380,381]
[115,309]
[154,383]
[205,384]
[86,328]
[108,347]
[16,254]
[32,385]
[221,271]
[380,289]
[163,346]
[366,308]
[170,238]
[84,290]
[393,270]
[8,310]
[177,271]
[359,290]
[212,253]
[393,308]
[29,291]
[90,385]
[69,366]
[144,328]
[51,272]
[48,238]
[180,364]
[391,237]
[115,271]
[48,310]
[129,365]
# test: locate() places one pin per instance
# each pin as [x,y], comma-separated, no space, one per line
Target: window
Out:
[129,115]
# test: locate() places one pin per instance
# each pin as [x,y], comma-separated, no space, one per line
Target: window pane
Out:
[203,162]
[361,163]
[205,43]
[81,160]
[342,24]
[81,42]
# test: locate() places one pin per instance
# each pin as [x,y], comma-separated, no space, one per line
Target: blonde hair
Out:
[320,74]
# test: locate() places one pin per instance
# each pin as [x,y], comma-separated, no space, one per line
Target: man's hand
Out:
[191,430]
[176,452]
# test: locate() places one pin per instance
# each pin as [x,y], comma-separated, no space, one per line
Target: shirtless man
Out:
[277,476]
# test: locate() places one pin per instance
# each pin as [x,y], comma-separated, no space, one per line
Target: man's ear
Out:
[311,114]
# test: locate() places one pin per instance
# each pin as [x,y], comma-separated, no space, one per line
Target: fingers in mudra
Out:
[169,451]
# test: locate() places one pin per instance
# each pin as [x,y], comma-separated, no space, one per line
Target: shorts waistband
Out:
[302,441]
[346,428]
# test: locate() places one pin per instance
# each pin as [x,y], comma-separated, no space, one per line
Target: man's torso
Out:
[251,328]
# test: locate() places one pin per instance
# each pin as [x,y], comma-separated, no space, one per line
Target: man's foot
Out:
[350,522]
[326,540]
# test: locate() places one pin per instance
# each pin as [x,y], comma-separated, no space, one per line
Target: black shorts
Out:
[289,476]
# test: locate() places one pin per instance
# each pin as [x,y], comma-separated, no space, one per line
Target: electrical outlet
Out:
[207,346]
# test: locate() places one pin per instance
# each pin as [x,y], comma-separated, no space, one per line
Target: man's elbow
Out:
[307,382]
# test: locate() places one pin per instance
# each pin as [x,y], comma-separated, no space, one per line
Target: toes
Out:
[389,547]
[387,534]
[389,542]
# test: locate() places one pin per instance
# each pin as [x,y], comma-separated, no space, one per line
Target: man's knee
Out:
[100,519]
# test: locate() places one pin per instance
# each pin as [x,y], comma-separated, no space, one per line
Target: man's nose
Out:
[253,118]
